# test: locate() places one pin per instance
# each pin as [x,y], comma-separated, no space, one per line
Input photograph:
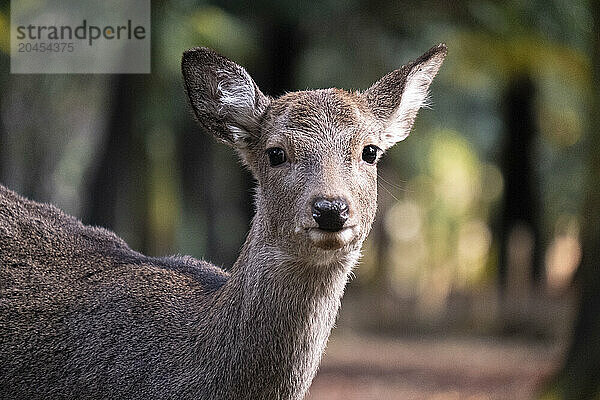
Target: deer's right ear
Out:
[225,99]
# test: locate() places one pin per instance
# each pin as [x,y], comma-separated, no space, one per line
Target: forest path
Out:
[372,367]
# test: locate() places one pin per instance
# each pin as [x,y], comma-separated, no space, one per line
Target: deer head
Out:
[313,153]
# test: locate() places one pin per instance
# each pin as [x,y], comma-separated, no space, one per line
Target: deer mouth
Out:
[331,240]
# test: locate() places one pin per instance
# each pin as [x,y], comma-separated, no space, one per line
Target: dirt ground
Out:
[370,367]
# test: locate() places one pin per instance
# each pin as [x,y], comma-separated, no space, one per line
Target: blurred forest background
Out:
[480,279]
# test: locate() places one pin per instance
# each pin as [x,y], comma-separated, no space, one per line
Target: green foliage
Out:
[4,33]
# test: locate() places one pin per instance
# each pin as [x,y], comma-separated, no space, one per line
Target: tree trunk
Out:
[580,377]
[118,184]
[521,205]
[195,149]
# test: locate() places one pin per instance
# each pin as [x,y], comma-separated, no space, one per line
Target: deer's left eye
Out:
[369,154]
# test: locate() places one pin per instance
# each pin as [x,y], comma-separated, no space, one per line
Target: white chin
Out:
[331,240]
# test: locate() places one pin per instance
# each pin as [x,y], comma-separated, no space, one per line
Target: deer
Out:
[82,315]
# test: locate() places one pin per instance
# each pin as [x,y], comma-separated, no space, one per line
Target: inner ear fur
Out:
[225,99]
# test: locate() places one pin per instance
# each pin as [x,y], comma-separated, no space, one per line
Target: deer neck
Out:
[286,308]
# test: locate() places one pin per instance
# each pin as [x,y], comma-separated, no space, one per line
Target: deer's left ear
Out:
[397,97]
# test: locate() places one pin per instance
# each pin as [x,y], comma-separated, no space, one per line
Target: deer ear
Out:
[225,99]
[397,97]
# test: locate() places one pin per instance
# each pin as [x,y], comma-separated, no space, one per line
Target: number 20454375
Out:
[55,47]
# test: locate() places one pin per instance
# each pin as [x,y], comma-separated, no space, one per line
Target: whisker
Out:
[382,181]
[392,184]
[389,192]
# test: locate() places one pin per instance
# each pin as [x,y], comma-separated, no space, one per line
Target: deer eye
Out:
[369,154]
[276,156]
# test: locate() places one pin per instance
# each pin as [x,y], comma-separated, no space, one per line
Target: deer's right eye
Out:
[276,156]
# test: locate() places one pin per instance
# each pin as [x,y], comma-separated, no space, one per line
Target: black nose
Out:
[330,214]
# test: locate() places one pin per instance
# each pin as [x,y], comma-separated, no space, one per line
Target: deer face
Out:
[313,153]
[315,162]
